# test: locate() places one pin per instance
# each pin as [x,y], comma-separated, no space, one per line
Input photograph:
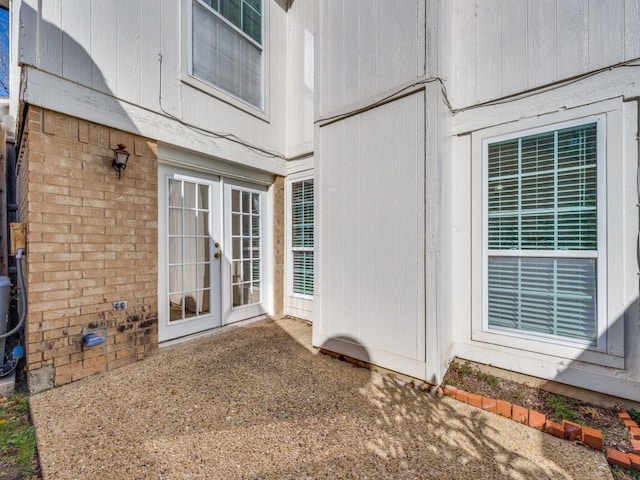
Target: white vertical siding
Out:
[76,40]
[128,24]
[374,47]
[372,233]
[502,47]
[51,50]
[114,47]
[300,77]
[103,33]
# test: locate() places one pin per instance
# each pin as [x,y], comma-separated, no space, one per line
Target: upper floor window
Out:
[227,47]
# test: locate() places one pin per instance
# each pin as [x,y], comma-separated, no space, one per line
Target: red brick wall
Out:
[91,241]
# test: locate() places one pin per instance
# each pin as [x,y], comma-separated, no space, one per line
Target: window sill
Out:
[221,95]
[564,350]
[301,296]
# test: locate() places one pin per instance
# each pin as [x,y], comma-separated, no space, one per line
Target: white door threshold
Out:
[213,331]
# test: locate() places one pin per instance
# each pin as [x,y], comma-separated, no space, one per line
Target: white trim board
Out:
[574,372]
[61,95]
[613,85]
[199,162]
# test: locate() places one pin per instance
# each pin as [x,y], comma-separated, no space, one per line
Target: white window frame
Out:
[609,350]
[289,225]
[600,256]
[261,112]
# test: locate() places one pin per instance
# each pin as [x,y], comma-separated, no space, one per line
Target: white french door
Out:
[245,240]
[211,252]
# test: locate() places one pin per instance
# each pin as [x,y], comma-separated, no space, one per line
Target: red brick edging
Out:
[590,437]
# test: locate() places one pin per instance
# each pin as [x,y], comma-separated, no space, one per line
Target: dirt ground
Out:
[554,406]
[259,402]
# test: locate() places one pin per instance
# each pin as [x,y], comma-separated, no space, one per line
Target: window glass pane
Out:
[246,225]
[222,55]
[539,187]
[255,225]
[190,249]
[175,279]
[255,292]
[175,250]
[176,301]
[189,195]
[237,295]
[204,301]
[190,277]
[235,200]
[236,249]
[303,273]
[246,202]
[175,193]
[189,244]
[552,296]
[190,305]
[203,197]
[203,276]
[203,223]
[236,271]
[302,236]
[235,224]
[175,221]
[230,9]
[246,248]
[252,24]
[190,222]
[542,195]
[203,246]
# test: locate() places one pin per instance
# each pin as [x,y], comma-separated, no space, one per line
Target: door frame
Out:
[227,314]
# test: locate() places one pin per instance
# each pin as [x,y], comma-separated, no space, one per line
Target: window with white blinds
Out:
[302,236]
[227,46]
[542,234]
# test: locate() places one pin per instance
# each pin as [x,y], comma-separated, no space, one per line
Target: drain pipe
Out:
[18,350]
[23,296]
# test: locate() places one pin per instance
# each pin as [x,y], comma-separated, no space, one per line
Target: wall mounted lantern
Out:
[120,158]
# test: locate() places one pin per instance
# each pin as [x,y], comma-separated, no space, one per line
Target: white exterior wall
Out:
[101,61]
[503,48]
[378,184]
[300,78]
[123,64]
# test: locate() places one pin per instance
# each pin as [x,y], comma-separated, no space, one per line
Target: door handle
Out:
[216,255]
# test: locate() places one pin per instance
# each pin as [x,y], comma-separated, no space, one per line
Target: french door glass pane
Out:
[189,245]
[246,246]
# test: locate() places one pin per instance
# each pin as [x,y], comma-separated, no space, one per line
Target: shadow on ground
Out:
[258,402]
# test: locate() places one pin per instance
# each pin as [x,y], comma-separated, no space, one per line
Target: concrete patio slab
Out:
[258,402]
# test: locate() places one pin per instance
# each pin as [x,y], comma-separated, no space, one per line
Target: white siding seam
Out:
[549,86]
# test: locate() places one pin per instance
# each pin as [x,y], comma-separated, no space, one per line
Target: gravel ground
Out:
[258,403]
